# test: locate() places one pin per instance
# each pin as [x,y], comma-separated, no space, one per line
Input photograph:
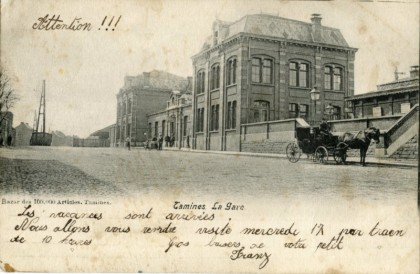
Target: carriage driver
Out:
[324,131]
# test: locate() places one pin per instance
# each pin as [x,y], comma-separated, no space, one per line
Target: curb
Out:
[352,161]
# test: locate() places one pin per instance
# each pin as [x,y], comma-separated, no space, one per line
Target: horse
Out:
[361,141]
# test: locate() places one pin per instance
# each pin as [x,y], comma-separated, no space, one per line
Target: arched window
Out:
[298,74]
[338,79]
[333,78]
[231,71]
[200,81]
[256,70]
[261,111]
[215,77]
[262,70]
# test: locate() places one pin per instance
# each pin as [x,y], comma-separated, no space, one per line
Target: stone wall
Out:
[265,146]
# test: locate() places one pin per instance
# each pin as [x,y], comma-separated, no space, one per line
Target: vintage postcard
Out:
[209,136]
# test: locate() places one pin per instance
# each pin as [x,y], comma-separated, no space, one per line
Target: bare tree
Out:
[8,97]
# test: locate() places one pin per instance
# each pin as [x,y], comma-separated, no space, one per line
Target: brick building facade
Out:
[174,121]
[140,96]
[263,68]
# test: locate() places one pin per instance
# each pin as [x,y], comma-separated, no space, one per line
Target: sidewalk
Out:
[350,160]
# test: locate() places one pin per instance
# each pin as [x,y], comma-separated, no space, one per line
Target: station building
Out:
[393,98]
[142,95]
[173,121]
[263,68]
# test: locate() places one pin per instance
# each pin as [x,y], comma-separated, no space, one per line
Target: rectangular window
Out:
[264,115]
[156,129]
[267,72]
[337,79]
[256,70]
[303,111]
[327,78]
[212,109]
[216,118]
[202,120]
[198,121]
[233,72]
[229,115]
[233,114]
[303,75]
[163,128]
[293,110]
[217,77]
[293,74]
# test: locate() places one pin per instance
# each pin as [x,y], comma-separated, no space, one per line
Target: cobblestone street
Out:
[110,172]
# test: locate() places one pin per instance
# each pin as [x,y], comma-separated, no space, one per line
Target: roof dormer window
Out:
[215,37]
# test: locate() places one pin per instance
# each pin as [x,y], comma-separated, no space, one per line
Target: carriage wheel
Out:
[321,154]
[293,152]
[340,153]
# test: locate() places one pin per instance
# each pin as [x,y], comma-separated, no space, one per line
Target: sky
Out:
[84,70]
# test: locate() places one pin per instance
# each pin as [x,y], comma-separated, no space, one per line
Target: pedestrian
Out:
[172,141]
[160,142]
[128,143]
[9,140]
[167,139]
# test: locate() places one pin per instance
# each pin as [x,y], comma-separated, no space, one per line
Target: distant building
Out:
[6,129]
[60,139]
[103,133]
[23,134]
[173,121]
[140,96]
[393,98]
[262,68]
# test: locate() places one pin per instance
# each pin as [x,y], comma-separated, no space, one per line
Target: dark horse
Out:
[361,141]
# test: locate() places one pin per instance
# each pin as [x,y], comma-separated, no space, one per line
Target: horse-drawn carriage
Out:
[317,145]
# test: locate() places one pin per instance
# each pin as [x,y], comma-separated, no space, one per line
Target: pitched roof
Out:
[284,28]
[395,87]
[157,79]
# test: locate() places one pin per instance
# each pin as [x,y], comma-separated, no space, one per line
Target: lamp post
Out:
[314,97]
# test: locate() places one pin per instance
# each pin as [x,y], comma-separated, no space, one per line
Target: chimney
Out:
[146,80]
[414,71]
[316,27]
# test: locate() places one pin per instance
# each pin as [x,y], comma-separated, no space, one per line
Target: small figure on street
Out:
[172,141]
[9,140]
[188,141]
[128,143]
[154,143]
[160,142]
[167,140]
